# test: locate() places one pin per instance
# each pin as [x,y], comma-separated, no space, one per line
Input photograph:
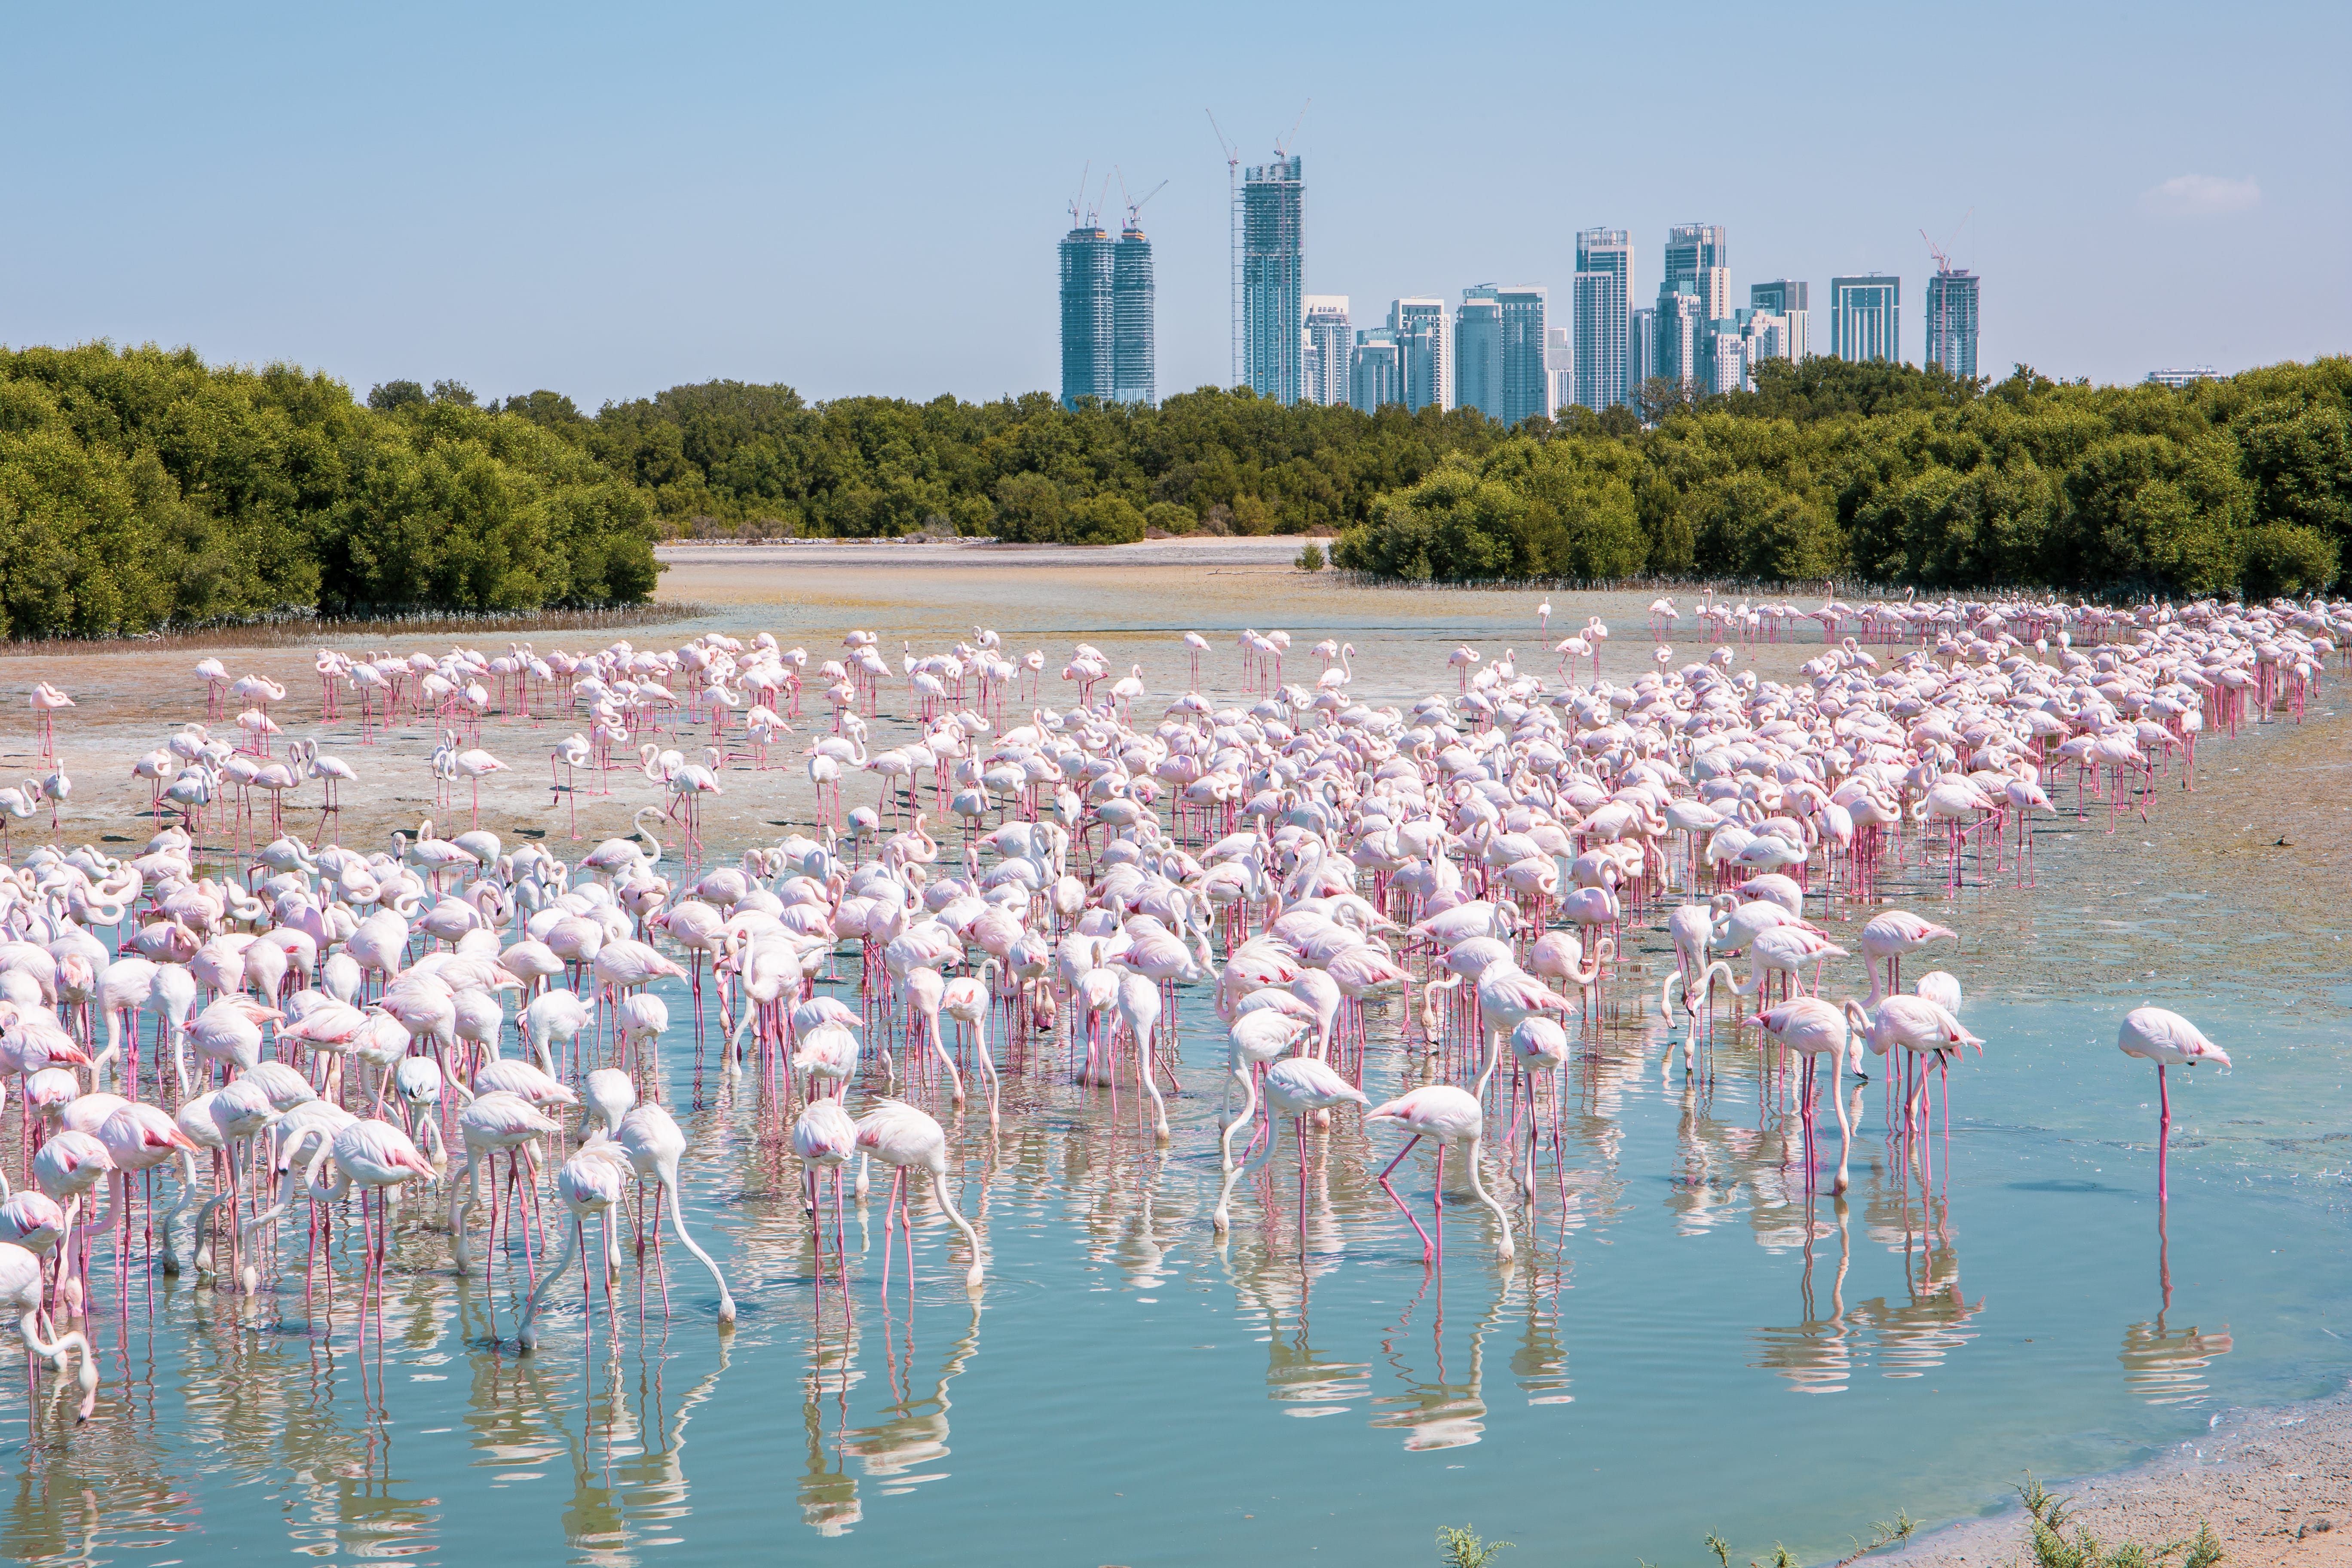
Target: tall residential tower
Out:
[1866,317]
[1605,297]
[1787,298]
[1133,345]
[1526,387]
[1088,315]
[1274,296]
[1424,351]
[1327,347]
[1478,352]
[1952,321]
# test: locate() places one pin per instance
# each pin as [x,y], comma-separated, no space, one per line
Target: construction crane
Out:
[1944,262]
[1233,202]
[1135,206]
[1282,148]
[1079,201]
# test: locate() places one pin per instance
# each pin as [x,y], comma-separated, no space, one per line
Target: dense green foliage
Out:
[1024,468]
[140,488]
[1892,474]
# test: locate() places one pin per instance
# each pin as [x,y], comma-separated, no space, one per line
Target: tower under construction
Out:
[1952,320]
[1089,313]
[1132,343]
[1273,294]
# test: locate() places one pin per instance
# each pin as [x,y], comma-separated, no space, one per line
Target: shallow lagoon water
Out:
[1687,1343]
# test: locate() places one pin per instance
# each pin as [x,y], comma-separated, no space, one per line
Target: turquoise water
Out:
[1688,1342]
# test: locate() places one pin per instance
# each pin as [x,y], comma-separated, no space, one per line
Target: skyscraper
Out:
[1694,293]
[1952,321]
[1327,348]
[1526,388]
[1681,328]
[1604,295]
[1086,315]
[1133,344]
[1699,255]
[1424,351]
[1478,352]
[1785,297]
[1866,317]
[1274,213]
[1641,350]
[1375,372]
[1559,365]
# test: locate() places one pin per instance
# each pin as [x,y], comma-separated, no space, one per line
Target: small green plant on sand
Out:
[1310,557]
[2047,1515]
[1459,1548]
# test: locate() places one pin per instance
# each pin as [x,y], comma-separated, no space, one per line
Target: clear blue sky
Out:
[607,201]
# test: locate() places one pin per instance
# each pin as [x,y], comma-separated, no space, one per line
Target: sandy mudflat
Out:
[1198,551]
[2276,1485]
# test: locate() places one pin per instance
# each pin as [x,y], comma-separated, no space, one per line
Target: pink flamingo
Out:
[20,1293]
[1448,1116]
[46,700]
[906,1139]
[2167,1039]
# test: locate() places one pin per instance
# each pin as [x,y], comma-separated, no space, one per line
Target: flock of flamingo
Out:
[328,1031]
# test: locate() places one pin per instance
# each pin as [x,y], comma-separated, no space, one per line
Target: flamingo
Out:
[20,1294]
[907,1139]
[476,765]
[651,1139]
[2160,1036]
[1448,1117]
[591,1184]
[46,701]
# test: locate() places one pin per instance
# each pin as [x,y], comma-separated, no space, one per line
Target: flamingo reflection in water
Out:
[914,1431]
[2167,1365]
[1436,1411]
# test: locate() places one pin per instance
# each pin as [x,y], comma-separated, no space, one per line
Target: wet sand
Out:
[2275,1485]
[1197,551]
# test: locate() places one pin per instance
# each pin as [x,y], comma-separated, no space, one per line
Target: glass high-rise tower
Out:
[1478,352]
[1328,344]
[1604,296]
[1527,389]
[1785,297]
[1952,321]
[1375,371]
[1133,371]
[1699,255]
[1424,351]
[1866,317]
[1274,280]
[1086,315]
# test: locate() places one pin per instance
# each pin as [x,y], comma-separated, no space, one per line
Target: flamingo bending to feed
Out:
[590,1184]
[1449,1116]
[20,1293]
[903,1137]
[1815,1029]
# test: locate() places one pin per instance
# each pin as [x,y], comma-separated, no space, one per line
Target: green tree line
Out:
[726,456]
[1894,474]
[140,488]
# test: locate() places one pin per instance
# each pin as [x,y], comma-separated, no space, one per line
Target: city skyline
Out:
[388,244]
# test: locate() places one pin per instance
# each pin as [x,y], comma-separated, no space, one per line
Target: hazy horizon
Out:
[606,205]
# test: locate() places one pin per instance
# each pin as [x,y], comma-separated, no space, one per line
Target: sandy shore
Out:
[2275,1484]
[1201,550]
